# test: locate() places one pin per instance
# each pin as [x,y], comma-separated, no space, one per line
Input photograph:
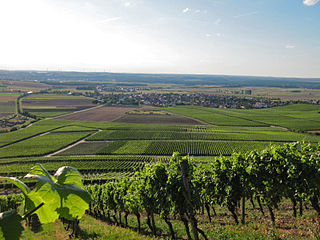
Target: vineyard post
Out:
[188,198]
[243,219]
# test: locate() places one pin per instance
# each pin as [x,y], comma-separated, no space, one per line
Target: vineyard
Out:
[182,190]
[196,148]
[290,116]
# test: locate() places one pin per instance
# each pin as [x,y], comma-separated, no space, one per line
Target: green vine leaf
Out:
[62,194]
[10,225]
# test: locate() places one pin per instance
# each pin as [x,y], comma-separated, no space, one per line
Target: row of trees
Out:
[180,189]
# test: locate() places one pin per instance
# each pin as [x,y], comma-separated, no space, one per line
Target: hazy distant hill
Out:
[185,79]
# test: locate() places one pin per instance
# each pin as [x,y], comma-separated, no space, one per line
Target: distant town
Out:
[138,96]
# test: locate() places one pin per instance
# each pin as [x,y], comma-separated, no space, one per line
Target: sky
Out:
[230,37]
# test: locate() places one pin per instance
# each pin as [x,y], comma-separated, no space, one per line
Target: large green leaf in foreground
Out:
[62,194]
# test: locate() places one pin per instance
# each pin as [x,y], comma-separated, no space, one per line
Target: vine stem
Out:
[32,211]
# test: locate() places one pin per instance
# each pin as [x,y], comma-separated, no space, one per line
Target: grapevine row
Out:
[180,189]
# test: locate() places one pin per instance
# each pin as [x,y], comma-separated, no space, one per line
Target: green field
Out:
[296,117]
[197,148]
[48,114]
[41,145]
[234,133]
[86,148]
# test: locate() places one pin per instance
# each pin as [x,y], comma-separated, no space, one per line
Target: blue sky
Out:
[237,37]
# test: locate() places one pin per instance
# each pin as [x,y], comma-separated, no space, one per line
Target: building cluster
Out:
[198,99]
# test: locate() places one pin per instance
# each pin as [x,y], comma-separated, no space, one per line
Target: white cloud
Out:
[208,35]
[186,10]
[290,46]
[310,2]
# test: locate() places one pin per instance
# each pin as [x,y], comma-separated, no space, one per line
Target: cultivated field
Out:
[98,114]
[50,105]
[25,86]
[299,117]
[7,104]
[158,119]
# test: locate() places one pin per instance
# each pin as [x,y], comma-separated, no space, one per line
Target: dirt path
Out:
[72,145]
[279,127]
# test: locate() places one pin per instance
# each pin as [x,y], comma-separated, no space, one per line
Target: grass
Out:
[222,227]
[48,114]
[90,229]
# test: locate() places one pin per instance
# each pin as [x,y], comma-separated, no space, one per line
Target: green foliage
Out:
[62,194]
[58,196]
[10,225]
[287,171]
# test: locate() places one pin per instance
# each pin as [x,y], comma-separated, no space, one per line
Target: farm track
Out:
[72,145]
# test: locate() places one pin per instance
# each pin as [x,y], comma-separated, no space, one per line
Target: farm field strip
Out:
[97,114]
[73,144]
[41,145]
[47,114]
[281,136]
[74,128]
[213,116]
[45,104]
[34,160]
[173,119]
[83,166]
[44,126]
[197,148]
[83,148]
[34,130]
[298,116]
